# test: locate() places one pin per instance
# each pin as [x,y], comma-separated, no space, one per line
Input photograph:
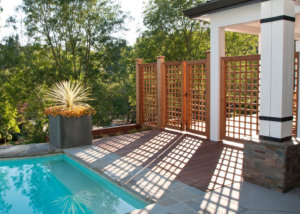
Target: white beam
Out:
[239,15]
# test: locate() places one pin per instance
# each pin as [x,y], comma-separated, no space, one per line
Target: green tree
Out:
[9,58]
[76,32]
[170,33]
[238,44]
[68,40]
[177,37]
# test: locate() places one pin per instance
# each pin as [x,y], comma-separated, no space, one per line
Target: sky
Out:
[133,7]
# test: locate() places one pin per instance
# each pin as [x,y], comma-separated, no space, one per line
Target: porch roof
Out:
[215,6]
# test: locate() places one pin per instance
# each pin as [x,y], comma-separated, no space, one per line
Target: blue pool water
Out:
[58,184]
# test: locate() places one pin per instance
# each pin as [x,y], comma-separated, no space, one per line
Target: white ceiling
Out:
[254,28]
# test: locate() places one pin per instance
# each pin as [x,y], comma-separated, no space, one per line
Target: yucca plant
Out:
[69,99]
[69,94]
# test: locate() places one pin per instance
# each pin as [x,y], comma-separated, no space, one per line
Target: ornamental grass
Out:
[68,100]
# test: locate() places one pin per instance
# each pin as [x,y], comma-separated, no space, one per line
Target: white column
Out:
[217,50]
[160,92]
[259,43]
[298,46]
[277,60]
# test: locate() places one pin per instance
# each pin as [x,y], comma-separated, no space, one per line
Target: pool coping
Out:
[28,150]
[162,203]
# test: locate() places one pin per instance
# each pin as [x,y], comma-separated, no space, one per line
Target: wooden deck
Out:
[196,162]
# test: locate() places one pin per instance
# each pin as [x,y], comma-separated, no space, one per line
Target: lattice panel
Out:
[295,95]
[174,94]
[242,96]
[196,101]
[149,94]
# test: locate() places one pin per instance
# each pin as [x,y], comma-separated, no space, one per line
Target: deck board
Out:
[194,161]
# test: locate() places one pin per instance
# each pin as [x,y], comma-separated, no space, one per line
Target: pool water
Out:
[58,184]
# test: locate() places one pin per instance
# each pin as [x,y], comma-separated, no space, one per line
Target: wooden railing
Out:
[96,133]
[174,95]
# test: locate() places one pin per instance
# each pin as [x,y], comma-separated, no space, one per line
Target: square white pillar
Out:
[298,46]
[277,67]
[259,43]
[217,50]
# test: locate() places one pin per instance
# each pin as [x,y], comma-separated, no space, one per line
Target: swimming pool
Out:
[58,184]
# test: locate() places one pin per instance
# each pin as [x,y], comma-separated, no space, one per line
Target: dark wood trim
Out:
[217,6]
[276,119]
[275,139]
[278,18]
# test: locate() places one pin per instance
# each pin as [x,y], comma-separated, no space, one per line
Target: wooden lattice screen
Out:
[295,94]
[240,79]
[148,78]
[175,94]
[197,99]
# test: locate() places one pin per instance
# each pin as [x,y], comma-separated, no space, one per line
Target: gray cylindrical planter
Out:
[70,132]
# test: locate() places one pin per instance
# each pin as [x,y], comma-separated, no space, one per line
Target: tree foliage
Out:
[170,33]
[76,32]
[74,40]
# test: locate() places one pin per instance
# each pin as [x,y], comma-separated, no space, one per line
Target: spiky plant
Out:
[69,99]
[69,94]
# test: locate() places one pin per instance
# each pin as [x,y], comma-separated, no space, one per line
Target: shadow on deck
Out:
[196,162]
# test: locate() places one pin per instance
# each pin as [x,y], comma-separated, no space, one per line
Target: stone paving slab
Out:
[27,150]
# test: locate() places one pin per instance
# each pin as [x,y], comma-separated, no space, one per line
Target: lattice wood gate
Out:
[187,96]
[240,97]
[148,90]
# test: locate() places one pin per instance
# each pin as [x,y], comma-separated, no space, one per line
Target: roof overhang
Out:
[216,6]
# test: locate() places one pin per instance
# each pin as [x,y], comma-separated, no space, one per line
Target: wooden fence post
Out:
[298,99]
[160,92]
[138,92]
[184,97]
[222,120]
